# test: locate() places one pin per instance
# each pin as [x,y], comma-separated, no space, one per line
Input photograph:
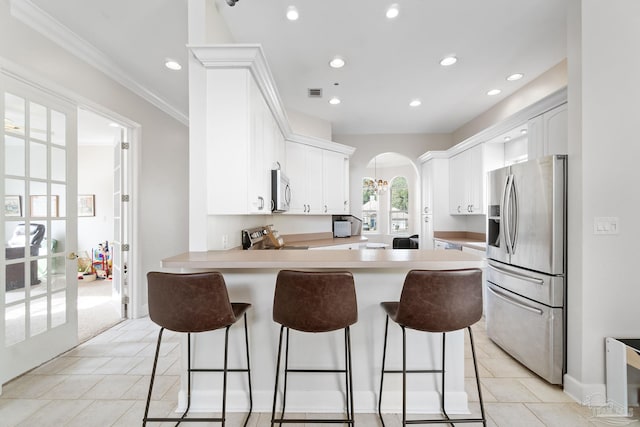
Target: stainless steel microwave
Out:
[280,191]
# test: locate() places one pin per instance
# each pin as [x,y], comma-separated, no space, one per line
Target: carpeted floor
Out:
[97,311]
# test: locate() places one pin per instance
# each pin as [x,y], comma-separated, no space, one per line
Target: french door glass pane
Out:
[58,164]
[38,128]
[58,128]
[38,319]
[15,324]
[14,114]
[38,159]
[58,308]
[14,156]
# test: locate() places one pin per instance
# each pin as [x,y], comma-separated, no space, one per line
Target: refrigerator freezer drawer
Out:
[543,288]
[530,332]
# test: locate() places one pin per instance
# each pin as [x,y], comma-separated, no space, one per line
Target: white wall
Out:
[95,176]
[303,124]
[162,179]
[604,101]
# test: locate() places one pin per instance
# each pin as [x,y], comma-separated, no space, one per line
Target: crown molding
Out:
[433,155]
[42,22]
[321,143]
[251,57]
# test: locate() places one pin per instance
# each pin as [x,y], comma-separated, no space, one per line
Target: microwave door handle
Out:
[287,194]
[512,301]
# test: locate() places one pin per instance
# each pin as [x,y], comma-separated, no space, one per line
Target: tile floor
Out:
[104,382]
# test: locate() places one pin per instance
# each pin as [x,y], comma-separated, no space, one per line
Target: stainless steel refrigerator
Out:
[526,274]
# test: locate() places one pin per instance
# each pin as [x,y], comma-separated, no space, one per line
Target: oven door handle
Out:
[514,302]
[533,280]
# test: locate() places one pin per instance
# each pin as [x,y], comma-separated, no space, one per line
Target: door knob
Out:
[72,256]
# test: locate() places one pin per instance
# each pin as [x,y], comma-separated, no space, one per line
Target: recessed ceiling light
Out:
[114,125]
[415,103]
[393,11]
[449,60]
[507,138]
[172,64]
[292,13]
[493,92]
[514,77]
[334,101]
[337,62]
[523,131]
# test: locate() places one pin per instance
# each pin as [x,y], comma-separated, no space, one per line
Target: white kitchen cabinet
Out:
[304,169]
[548,133]
[335,185]
[468,176]
[240,145]
[435,198]
[483,255]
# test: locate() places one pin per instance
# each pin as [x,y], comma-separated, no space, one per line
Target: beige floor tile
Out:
[55,413]
[472,391]
[54,366]
[512,415]
[111,387]
[73,387]
[101,413]
[14,411]
[161,386]
[506,368]
[84,365]
[559,414]
[508,390]
[118,365]
[31,386]
[544,391]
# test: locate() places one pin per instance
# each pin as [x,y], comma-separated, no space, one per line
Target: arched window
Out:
[399,213]
[370,206]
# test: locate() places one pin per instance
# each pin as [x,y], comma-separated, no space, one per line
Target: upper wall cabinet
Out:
[240,145]
[238,124]
[548,133]
[467,178]
[318,178]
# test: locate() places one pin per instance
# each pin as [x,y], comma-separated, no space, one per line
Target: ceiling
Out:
[388,62]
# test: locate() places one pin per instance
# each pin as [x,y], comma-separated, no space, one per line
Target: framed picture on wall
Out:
[38,206]
[86,205]
[12,205]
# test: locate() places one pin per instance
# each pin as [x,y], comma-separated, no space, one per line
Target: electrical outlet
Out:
[605,225]
[225,241]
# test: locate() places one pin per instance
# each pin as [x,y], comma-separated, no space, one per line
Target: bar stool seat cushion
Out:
[315,301]
[438,301]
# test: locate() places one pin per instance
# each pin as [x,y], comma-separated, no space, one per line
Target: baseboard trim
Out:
[585,394]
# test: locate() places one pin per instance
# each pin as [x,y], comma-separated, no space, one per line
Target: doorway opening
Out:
[99,223]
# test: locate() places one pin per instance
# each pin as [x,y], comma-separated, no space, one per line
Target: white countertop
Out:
[343,259]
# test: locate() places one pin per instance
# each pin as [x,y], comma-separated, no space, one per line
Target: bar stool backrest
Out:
[315,301]
[195,302]
[440,300]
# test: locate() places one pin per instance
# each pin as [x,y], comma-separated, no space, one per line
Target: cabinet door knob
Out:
[325,208]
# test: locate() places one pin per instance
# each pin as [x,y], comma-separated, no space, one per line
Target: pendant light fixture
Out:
[377,185]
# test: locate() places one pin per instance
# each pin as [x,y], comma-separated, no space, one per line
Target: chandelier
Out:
[376,185]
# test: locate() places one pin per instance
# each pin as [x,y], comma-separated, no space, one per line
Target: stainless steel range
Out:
[526,276]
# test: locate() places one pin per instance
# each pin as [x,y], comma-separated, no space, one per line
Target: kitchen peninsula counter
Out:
[345,259]
[379,274]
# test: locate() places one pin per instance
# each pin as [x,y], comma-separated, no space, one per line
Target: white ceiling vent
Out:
[314,93]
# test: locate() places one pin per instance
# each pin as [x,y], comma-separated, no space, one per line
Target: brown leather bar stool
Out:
[439,302]
[314,302]
[193,303]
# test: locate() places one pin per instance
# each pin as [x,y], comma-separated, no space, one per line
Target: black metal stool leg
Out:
[349,374]
[275,389]
[286,374]
[475,367]
[153,374]
[404,376]
[384,354]
[246,338]
[224,376]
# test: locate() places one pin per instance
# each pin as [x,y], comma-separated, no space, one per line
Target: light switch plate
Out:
[605,225]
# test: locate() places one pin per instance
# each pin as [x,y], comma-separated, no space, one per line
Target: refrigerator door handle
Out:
[513,200]
[505,214]
[533,280]
[514,302]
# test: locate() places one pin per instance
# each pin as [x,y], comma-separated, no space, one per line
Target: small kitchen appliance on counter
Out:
[264,237]
[341,229]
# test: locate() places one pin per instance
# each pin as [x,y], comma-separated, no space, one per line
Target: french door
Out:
[38,270]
